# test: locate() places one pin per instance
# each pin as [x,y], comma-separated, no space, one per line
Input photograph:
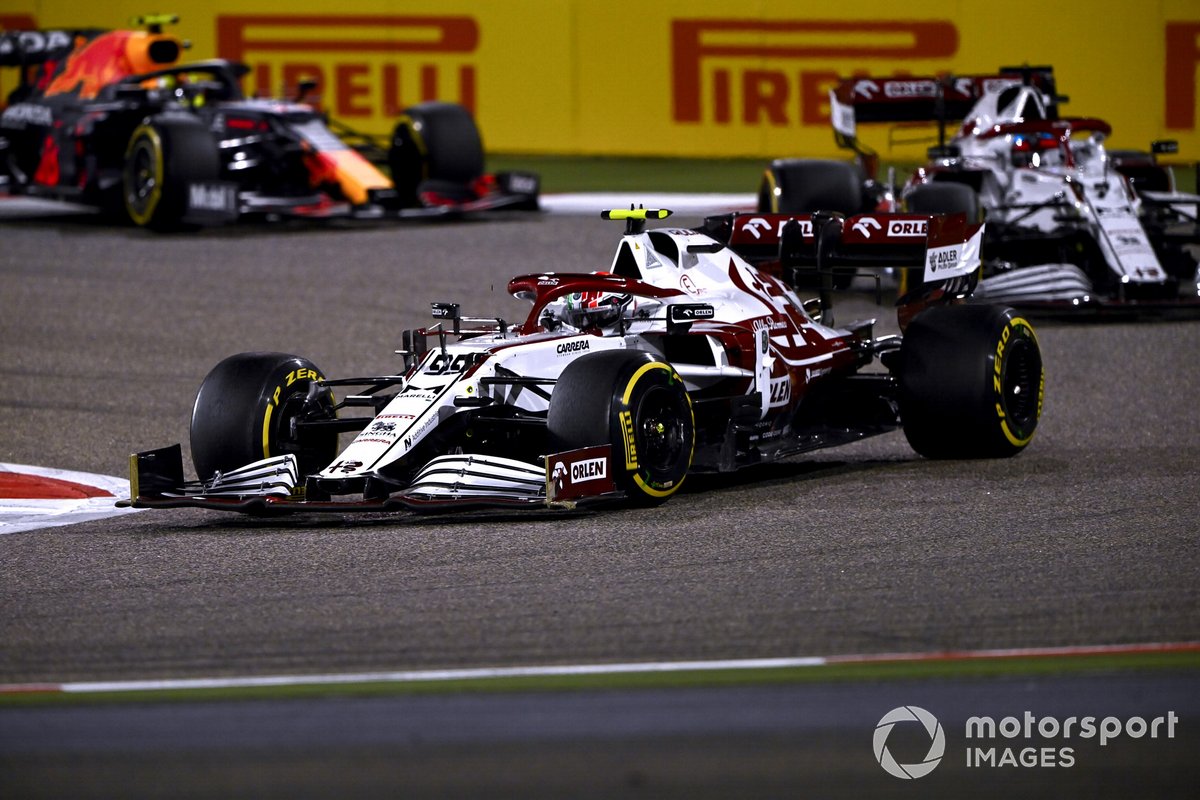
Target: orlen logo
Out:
[716,63]
[580,473]
[907,227]
[593,469]
[363,65]
[907,89]
[903,90]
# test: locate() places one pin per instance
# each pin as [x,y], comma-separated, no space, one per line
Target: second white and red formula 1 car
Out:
[1070,222]
[681,356]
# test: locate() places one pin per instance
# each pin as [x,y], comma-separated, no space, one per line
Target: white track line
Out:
[443,675]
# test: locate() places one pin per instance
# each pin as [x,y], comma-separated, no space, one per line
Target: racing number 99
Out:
[442,364]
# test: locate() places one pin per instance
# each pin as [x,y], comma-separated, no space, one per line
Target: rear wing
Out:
[937,244]
[944,247]
[25,48]
[21,48]
[925,99]
[82,61]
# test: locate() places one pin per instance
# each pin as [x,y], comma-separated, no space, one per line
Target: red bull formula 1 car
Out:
[1070,223]
[114,120]
[691,352]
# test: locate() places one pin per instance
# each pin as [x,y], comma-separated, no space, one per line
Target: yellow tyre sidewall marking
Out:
[152,202]
[625,399]
[295,376]
[1018,324]
[266,431]
[773,192]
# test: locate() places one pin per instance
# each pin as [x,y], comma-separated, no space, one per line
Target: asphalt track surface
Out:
[1088,537]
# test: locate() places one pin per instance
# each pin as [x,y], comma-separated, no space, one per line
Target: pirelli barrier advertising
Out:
[694,78]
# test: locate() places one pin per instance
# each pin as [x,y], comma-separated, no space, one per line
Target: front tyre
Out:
[246,409]
[639,405]
[165,155]
[971,382]
[436,146]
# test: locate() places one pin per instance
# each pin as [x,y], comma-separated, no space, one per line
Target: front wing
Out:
[449,482]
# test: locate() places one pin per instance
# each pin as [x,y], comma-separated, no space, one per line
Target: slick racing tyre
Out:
[803,185]
[636,403]
[245,409]
[1142,170]
[166,154]
[971,382]
[436,144]
[806,185]
[944,198]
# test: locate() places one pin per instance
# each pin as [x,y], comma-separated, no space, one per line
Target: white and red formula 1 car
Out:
[683,356]
[1071,224]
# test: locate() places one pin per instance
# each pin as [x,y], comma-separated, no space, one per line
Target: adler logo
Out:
[573,347]
[943,260]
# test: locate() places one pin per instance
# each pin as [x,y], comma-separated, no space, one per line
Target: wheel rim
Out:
[141,178]
[661,436]
[1021,381]
[312,451]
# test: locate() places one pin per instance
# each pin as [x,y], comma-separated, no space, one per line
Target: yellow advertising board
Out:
[695,78]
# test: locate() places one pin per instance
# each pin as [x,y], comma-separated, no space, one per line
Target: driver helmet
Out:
[594,309]
[597,309]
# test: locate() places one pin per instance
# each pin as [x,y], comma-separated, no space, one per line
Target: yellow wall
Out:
[698,77]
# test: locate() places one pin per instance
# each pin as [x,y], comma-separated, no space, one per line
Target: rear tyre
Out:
[437,143]
[944,198]
[802,186]
[165,155]
[1142,170]
[639,405]
[245,409]
[971,382]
